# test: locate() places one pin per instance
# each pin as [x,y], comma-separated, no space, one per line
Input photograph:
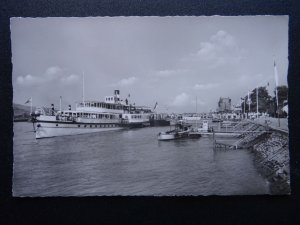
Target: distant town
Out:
[258,103]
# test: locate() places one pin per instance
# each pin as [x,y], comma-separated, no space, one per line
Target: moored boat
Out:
[180,131]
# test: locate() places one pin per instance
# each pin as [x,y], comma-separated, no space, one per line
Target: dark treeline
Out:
[266,103]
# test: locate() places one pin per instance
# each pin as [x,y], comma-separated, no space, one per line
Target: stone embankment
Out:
[271,151]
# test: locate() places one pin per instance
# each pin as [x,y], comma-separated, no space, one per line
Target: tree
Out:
[265,103]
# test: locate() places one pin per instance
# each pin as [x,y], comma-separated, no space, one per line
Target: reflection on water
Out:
[129,162]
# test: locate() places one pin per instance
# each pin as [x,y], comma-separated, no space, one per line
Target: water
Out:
[129,162]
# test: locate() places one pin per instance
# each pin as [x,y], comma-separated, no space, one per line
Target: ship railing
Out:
[66,118]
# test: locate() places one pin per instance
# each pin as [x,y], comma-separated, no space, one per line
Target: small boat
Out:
[180,131]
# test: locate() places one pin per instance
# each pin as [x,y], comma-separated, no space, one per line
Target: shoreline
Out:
[271,156]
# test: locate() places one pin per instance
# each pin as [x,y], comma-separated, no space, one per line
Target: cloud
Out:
[28,80]
[185,103]
[205,86]
[53,70]
[181,100]
[126,81]
[53,74]
[70,79]
[222,48]
[168,73]
[198,102]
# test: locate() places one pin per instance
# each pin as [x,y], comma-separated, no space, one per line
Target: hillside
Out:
[21,112]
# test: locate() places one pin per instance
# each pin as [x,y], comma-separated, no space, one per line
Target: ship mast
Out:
[83,87]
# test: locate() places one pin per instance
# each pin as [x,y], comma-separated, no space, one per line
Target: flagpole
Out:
[248,104]
[257,102]
[244,107]
[59,103]
[276,91]
[30,105]
[83,87]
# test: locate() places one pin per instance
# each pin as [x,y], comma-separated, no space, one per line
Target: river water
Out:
[129,162]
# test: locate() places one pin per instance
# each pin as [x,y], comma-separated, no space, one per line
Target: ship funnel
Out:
[52,109]
[117,95]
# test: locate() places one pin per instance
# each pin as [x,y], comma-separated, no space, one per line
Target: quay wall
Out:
[271,157]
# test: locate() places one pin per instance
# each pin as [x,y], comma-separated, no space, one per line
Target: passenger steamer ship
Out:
[89,117]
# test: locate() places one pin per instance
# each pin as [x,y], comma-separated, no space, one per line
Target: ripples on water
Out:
[129,162]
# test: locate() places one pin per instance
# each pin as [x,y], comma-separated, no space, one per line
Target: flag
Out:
[29,100]
[275,74]
[155,105]
[248,99]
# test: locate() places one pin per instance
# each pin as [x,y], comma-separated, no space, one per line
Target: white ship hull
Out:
[163,136]
[46,129]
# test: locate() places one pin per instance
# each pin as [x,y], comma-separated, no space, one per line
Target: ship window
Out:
[90,125]
[84,125]
[78,125]
[57,125]
[95,125]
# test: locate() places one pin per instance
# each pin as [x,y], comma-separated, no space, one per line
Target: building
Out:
[224,105]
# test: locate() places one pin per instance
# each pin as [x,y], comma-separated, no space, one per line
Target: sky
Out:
[182,63]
